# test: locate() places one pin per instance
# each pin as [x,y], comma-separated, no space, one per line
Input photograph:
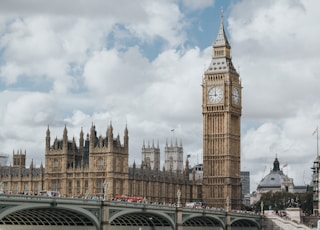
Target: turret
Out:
[118,140]
[56,144]
[48,139]
[126,139]
[31,166]
[19,159]
[74,144]
[221,46]
[81,141]
[110,136]
[65,140]
[92,137]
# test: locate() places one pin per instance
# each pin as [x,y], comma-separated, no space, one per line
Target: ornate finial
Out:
[179,197]
[221,10]
[221,39]
[48,131]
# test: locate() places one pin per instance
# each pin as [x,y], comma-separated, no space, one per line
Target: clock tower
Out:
[221,109]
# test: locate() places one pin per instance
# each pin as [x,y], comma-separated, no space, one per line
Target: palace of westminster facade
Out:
[78,170]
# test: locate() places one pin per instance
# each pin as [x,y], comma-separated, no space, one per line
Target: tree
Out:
[281,200]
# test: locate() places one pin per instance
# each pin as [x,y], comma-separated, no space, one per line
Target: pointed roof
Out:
[65,129]
[221,54]
[221,39]
[48,131]
[274,179]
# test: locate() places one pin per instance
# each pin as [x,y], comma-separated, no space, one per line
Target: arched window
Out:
[55,165]
[100,163]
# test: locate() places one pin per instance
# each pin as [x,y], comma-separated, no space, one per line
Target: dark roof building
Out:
[276,181]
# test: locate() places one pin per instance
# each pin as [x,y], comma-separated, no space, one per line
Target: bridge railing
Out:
[142,205]
[46,199]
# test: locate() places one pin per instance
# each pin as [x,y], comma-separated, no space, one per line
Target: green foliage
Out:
[281,200]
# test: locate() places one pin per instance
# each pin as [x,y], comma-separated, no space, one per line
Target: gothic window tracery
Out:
[55,164]
[100,163]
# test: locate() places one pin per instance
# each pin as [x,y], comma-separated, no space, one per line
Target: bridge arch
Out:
[203,221]
[44,215]
[245,223]
[152,219]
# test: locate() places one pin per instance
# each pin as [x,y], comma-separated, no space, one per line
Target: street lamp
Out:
[179,196]
[228,203]
[105,187]
[1,187]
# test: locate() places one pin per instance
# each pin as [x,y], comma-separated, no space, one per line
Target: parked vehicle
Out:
[49,193]
[196,205]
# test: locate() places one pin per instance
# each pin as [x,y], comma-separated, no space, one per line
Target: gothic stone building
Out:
[17,178]
[221,109]
[79,171]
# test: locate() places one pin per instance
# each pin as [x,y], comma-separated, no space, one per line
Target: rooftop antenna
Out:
[316,131]
[317,142]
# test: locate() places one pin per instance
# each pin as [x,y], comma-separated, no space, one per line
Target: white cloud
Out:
[199,4]
[273,50]
[163,20]
[111,72]
[29,108]
[275,45]
[89,63]
[128,10]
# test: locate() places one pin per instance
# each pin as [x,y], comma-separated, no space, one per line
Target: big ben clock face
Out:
[235,95]
[215,94]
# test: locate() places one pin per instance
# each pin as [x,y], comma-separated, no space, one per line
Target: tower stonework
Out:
[76,171]
[221,109]
[151,156]
[173,155]
[19,159]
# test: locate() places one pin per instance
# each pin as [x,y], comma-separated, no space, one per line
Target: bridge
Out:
[35,212]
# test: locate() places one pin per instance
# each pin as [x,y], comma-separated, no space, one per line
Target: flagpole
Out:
[317,131]
[317,142]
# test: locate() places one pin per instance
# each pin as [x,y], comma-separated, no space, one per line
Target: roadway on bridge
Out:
[31,212]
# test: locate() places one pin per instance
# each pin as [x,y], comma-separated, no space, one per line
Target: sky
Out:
[140,64]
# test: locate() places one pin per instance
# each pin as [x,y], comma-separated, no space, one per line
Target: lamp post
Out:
[228,203]
[105,192]
[1,187]
[179,196]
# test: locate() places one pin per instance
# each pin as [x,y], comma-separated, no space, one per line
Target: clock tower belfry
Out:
[221,109]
